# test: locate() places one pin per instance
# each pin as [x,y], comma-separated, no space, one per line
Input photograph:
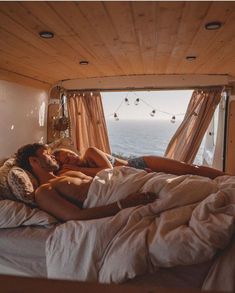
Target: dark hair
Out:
[26,151]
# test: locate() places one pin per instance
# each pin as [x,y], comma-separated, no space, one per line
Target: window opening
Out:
[143,122]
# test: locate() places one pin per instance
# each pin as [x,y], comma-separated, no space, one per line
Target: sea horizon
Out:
[136,137]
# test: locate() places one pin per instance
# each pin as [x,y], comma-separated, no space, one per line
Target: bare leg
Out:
[120,162]
[161,164]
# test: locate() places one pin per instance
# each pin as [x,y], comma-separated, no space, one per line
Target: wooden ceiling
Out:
[117,38]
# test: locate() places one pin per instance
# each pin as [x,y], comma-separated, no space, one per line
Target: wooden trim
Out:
[230,158]
[37,285]
[146,82]
[24,80]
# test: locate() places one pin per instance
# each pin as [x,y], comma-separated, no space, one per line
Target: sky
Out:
[173,102]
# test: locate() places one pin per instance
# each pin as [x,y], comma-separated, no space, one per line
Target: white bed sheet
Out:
[192,218]
[22,250]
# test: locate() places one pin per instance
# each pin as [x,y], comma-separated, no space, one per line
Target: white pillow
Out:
[14,214]
[22,184]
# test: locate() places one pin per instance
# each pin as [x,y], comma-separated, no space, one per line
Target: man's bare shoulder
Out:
[76,174]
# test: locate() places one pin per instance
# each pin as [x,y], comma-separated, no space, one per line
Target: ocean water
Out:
[142,137]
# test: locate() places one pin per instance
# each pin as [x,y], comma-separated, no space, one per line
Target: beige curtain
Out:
[187,139]
[88,126]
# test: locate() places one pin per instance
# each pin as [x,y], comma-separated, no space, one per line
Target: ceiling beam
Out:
[146,82]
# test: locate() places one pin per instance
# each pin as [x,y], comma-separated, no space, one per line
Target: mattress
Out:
[178,277]
[23,249]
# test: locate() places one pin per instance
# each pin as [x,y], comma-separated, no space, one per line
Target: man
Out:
[63,196]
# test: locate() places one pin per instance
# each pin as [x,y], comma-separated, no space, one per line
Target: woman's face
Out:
[60,157]
[71,158]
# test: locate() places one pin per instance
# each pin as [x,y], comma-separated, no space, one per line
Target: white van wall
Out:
[23,112]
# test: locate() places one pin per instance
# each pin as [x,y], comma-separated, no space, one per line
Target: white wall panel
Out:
[23,112]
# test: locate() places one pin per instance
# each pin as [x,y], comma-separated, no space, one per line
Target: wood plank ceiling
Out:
[117,38]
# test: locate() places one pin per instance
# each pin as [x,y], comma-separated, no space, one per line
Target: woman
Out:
[95,160]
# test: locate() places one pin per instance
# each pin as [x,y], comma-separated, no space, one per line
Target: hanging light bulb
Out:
[173,119]
[153,113]
[115,116]
[137,101]
[127,101]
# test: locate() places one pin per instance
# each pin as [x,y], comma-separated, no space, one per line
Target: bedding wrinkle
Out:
[183,226]
[103,189]
[215,213]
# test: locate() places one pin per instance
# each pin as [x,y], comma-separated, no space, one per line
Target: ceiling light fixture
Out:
[191,58]
[83,62]
[214,25]
[46,35]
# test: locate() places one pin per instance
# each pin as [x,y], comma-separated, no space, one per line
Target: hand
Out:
[135,199]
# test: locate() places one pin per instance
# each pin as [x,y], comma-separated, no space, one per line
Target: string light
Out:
[115,115]
[127,101]
[137,101]
[153,113]
[173,119]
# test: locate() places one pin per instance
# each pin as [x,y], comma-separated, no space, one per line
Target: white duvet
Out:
[191,219]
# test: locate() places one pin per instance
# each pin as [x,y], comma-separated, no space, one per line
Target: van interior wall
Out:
[23,113]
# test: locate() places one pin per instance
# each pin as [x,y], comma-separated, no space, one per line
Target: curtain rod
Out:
[143,89]
[146,89]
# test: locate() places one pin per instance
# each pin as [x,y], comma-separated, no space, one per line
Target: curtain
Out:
[187,139]
[88,126]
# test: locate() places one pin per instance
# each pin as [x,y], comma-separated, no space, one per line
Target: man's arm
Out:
[49,200]
[85,170]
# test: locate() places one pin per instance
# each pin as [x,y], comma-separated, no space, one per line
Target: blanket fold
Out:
[190,220]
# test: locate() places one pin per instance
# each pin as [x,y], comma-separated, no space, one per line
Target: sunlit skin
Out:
[62,196]
[95,160]
[68,157]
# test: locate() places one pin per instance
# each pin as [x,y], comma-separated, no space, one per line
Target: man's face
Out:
[46,160]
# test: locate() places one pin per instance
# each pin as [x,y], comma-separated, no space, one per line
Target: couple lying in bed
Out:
[62,195]
[95,160]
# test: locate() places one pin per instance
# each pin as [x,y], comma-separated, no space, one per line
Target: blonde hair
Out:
[57,151]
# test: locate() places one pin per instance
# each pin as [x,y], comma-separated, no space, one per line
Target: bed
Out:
[22,251]
[183,239]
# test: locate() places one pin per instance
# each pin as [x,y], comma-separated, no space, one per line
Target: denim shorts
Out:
[137,163]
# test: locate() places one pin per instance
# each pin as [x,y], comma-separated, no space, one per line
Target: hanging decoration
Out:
[60,120]
[152,113]
[62,123]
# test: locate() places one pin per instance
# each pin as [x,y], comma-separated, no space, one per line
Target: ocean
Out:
[130,138]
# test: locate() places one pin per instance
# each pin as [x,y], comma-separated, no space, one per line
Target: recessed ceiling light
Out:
[191,58]
[214,25]
[46,35]
[83,62]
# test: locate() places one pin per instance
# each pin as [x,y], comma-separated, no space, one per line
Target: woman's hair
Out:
[26,151]
[57,151]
